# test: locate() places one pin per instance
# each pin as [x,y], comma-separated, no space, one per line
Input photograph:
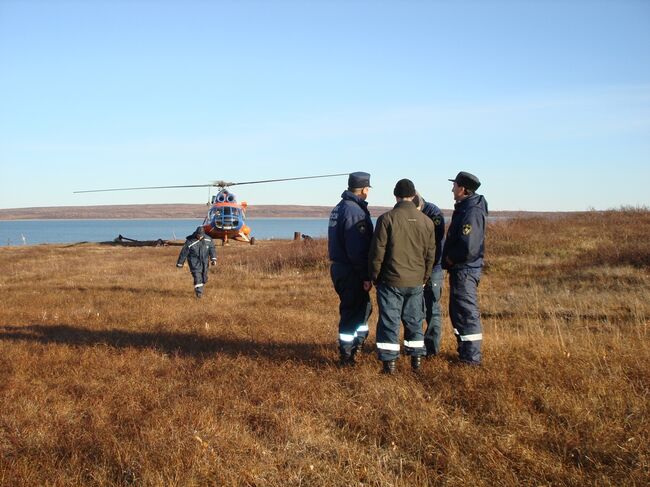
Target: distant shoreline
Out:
[194,211]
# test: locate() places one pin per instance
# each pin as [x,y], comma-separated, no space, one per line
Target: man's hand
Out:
[367,285]
[213,262]
[179,266]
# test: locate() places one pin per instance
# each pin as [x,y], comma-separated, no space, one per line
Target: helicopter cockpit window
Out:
[225,217]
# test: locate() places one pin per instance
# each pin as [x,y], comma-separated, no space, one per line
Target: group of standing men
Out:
[404,258]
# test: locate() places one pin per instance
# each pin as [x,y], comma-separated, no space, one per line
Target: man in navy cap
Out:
[349,234]
[462,256]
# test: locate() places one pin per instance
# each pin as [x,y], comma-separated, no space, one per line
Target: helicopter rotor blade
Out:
[145,187]
[217,184]
[283,179]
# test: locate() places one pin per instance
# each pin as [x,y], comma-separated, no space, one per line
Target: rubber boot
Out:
[347,360]
[390,366]
[416,362]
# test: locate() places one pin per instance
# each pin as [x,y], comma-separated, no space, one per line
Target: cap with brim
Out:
[358,180]
[467,180]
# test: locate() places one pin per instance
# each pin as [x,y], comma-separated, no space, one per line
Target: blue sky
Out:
[547,102]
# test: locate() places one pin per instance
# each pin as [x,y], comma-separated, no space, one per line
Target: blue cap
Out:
[467,180]
[359,180]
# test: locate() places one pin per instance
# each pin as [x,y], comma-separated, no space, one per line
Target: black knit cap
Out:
[467,181]
[404,188]
[199,232]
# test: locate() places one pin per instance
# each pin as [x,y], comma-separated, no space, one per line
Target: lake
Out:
[32,232]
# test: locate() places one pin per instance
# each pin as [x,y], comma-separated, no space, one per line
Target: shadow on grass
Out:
[173,343]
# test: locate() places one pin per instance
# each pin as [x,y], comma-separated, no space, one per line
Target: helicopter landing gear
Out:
[252,240]
[224,241]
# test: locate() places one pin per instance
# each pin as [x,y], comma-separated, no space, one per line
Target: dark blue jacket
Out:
[197,252]
[438,219]
[464,245]
[349,234]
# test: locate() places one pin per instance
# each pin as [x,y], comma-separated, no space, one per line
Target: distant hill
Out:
[163,211]
[167,211]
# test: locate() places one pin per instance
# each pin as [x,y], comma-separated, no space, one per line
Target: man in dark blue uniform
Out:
[462,256]
[197,249]
[349,234]
[433,287]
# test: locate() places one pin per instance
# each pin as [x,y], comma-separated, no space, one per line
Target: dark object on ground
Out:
[130,242]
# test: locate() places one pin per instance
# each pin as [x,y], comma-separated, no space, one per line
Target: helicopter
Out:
[226,218]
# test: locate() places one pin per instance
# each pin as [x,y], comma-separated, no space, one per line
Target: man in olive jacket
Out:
[402,253]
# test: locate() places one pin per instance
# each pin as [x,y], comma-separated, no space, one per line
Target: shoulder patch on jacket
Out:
[467,229]
[437,220]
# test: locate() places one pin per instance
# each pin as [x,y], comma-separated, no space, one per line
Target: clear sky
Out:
[548,102]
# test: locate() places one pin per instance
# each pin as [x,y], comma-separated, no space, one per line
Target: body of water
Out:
[32,232]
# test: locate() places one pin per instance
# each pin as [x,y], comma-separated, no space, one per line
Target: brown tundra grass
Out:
[111,373]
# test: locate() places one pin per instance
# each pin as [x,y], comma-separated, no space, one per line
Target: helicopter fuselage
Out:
[227,218]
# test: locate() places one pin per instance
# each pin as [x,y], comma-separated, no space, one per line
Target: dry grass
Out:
[111,373]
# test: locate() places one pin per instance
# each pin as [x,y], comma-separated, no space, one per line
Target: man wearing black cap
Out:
[197,249]
[402,254]
[462,256]
[349,234]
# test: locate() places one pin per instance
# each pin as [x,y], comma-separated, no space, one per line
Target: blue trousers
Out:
[354,308]
[432,295]
[200,277]
[464,313]
[397,305]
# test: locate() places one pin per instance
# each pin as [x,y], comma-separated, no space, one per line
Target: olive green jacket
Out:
[403,247]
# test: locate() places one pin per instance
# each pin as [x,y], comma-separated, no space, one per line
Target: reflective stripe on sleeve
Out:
[198,285]
[414,344]
[393,347]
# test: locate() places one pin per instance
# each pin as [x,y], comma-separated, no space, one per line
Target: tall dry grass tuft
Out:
[111,373]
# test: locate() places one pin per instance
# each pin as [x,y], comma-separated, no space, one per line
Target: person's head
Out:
[199,232]
[404,190]
[359,184]
[418,201]
[465,184]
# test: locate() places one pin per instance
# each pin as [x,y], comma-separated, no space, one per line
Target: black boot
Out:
[416,362]
[347,360]
[390,366]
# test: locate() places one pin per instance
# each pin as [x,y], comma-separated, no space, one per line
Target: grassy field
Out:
[112,373]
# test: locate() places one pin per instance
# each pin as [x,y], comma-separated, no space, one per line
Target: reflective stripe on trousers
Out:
[464,313]
[354,306]
[396,306]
